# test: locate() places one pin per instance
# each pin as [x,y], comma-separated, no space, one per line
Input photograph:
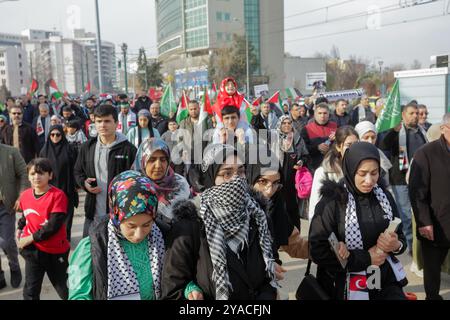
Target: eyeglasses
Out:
[55,134]
[268,185]
[228,174]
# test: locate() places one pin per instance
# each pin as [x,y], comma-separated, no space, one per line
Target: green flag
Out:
[168,103]
[391,116]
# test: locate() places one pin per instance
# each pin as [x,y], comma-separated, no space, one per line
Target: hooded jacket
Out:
[120,158]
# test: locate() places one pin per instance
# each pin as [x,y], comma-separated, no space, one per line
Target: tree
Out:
[154,76]
[142,69]
[232,62]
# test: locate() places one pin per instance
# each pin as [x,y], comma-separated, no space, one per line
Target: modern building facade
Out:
[108,58]
[67,61]
[188,31]
[14,69]
[7,39]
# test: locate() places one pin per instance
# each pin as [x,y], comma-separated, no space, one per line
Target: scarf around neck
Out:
[226,211]
[403,158]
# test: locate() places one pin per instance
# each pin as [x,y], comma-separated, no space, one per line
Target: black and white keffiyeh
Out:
[353,240]
[226,211]
[122,280]
[353,237]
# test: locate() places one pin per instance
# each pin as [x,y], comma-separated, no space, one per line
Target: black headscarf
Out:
[353,157]
[213,157]
[62,158]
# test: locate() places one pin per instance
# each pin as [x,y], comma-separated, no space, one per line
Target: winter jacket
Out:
[330,217]
[187,259]
[121,158]
[429,185]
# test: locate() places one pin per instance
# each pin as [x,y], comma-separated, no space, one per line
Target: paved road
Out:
[295,271]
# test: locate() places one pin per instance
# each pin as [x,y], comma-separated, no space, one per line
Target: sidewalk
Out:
[295,271]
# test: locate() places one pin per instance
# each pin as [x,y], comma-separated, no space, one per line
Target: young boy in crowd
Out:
[42,233]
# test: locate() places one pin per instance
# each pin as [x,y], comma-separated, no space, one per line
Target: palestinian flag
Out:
[182,112]
[257,102]
[54,91]
[275,100]
[293,93]
[207,103]
[87,90]
[34,87]
[168,104]
[246,108]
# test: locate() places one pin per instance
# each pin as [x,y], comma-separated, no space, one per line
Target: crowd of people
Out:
[200,208]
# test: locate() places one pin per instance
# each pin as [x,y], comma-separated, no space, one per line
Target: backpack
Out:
[303,183]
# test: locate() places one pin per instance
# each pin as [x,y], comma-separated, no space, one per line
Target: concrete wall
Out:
[295,69]
[431,91]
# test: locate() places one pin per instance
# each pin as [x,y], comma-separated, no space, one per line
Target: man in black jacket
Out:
[21,135]
[429,182]
[402,142]
[99,161]
[340,115]
[159,122]
[143,102]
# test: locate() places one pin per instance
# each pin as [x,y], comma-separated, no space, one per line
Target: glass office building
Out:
[251,14]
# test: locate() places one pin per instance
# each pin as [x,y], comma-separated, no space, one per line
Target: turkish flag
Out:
[358,283]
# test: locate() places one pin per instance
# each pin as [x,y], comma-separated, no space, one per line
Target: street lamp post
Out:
[124,51]
[99,49]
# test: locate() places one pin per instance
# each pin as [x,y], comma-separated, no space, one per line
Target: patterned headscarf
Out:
[286,139]
[167,184]
[131,193]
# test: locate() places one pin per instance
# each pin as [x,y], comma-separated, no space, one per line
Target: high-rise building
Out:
[67,61]
[187,31]
[7,39]
[108,58]
[14,69]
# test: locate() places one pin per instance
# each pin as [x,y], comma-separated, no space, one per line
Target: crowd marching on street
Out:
[198,204]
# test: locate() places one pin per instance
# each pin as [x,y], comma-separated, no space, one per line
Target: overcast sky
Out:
[383,29]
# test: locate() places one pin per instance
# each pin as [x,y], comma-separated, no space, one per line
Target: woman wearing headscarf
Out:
[220,248]
[62,157]
[368,133]
[358,211]
[122,259]
[266,182]
[293,155]
[331,167]
[153,160]
[143,130]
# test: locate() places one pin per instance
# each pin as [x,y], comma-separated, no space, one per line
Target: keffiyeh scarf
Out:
[353,240]
[226,211]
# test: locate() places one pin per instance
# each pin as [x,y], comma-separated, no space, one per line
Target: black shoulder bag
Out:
[309,288]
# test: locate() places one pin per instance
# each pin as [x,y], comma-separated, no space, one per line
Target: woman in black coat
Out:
[358,211]
[293,155]
[266,182]
[62,157]
[222,250]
